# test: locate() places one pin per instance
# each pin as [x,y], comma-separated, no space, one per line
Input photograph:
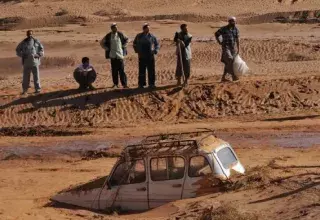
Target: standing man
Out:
[115,44]
[30,50]
[183,41]
[146,46]
[230,37]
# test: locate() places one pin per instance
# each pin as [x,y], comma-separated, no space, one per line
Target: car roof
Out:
[183,144]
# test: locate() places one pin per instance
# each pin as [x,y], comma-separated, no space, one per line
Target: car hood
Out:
[85,195]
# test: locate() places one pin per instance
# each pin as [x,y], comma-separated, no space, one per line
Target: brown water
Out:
[237,139]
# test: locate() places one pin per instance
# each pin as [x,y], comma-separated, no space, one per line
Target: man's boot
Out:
[235,78]
[179,81]
[91,87]
[185,83]
[223,78]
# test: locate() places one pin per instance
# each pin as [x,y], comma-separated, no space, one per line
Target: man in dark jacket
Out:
[115,44]
[230,38]
[146,46]
[183,41]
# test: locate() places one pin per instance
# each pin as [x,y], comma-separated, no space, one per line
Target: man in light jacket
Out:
[30,50]
[115,45]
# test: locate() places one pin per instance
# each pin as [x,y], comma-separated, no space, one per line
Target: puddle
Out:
[298,140]
[79,148]
[74,148]
[281,139]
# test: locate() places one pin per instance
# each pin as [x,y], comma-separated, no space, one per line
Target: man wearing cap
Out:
[30,50]
[183,41]
[230,37]
[115,44]
[146,46]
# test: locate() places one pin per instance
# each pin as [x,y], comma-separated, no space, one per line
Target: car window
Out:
[199,166]
[138,173]
[167,168]
[129,173]
[226,157]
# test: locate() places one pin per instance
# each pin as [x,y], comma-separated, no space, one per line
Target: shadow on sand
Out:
[78,99]
[283,195]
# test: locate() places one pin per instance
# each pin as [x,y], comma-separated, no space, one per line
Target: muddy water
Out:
[277,139]
[236,139]
[74,148]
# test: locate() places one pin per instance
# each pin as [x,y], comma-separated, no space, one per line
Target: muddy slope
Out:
[165,104]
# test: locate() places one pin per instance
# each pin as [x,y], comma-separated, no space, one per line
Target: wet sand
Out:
[64,137]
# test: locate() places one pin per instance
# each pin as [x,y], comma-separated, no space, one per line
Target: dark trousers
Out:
[85,79]
[186,68]
[117,68]
[147,64]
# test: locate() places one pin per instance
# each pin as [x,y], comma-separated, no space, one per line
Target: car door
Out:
[199,179]
[166,180]
[129,179]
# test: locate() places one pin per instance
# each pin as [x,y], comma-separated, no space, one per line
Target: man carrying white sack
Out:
[230,37]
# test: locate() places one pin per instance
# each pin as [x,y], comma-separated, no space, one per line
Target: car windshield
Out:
[227,157]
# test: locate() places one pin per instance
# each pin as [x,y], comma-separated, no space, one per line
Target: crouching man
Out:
[30,50]
[85,75]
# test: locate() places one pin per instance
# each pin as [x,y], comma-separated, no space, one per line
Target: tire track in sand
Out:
[166,104]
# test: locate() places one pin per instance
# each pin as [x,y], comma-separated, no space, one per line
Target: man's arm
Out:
[40,50]
[217,35]
[156,45]
[188,41]
[125,40]
[19,50]
[103,43]
[135,43]
[238,41]
[176,37]
[238,45]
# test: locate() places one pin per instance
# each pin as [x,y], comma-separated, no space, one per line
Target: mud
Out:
[166,104]
[37,131]
[94,184]
[85,150]
[90,150]
[277,139]
[271,116]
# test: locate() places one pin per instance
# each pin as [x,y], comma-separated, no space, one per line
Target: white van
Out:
[159,170]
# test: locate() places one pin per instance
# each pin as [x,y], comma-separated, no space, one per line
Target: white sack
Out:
[239,66]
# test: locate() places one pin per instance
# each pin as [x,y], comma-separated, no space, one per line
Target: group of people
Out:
[145,44]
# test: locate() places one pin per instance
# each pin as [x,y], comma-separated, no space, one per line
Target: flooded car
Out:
[160,169]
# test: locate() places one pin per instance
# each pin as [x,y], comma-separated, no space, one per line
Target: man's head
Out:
[85,61]
[232,21]
[184,28]
[145,28]
[114,27]
[29,34]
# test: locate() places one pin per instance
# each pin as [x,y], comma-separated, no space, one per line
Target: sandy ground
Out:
[62,136]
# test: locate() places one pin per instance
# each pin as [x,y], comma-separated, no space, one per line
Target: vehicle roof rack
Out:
[177,136]
[158,149]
